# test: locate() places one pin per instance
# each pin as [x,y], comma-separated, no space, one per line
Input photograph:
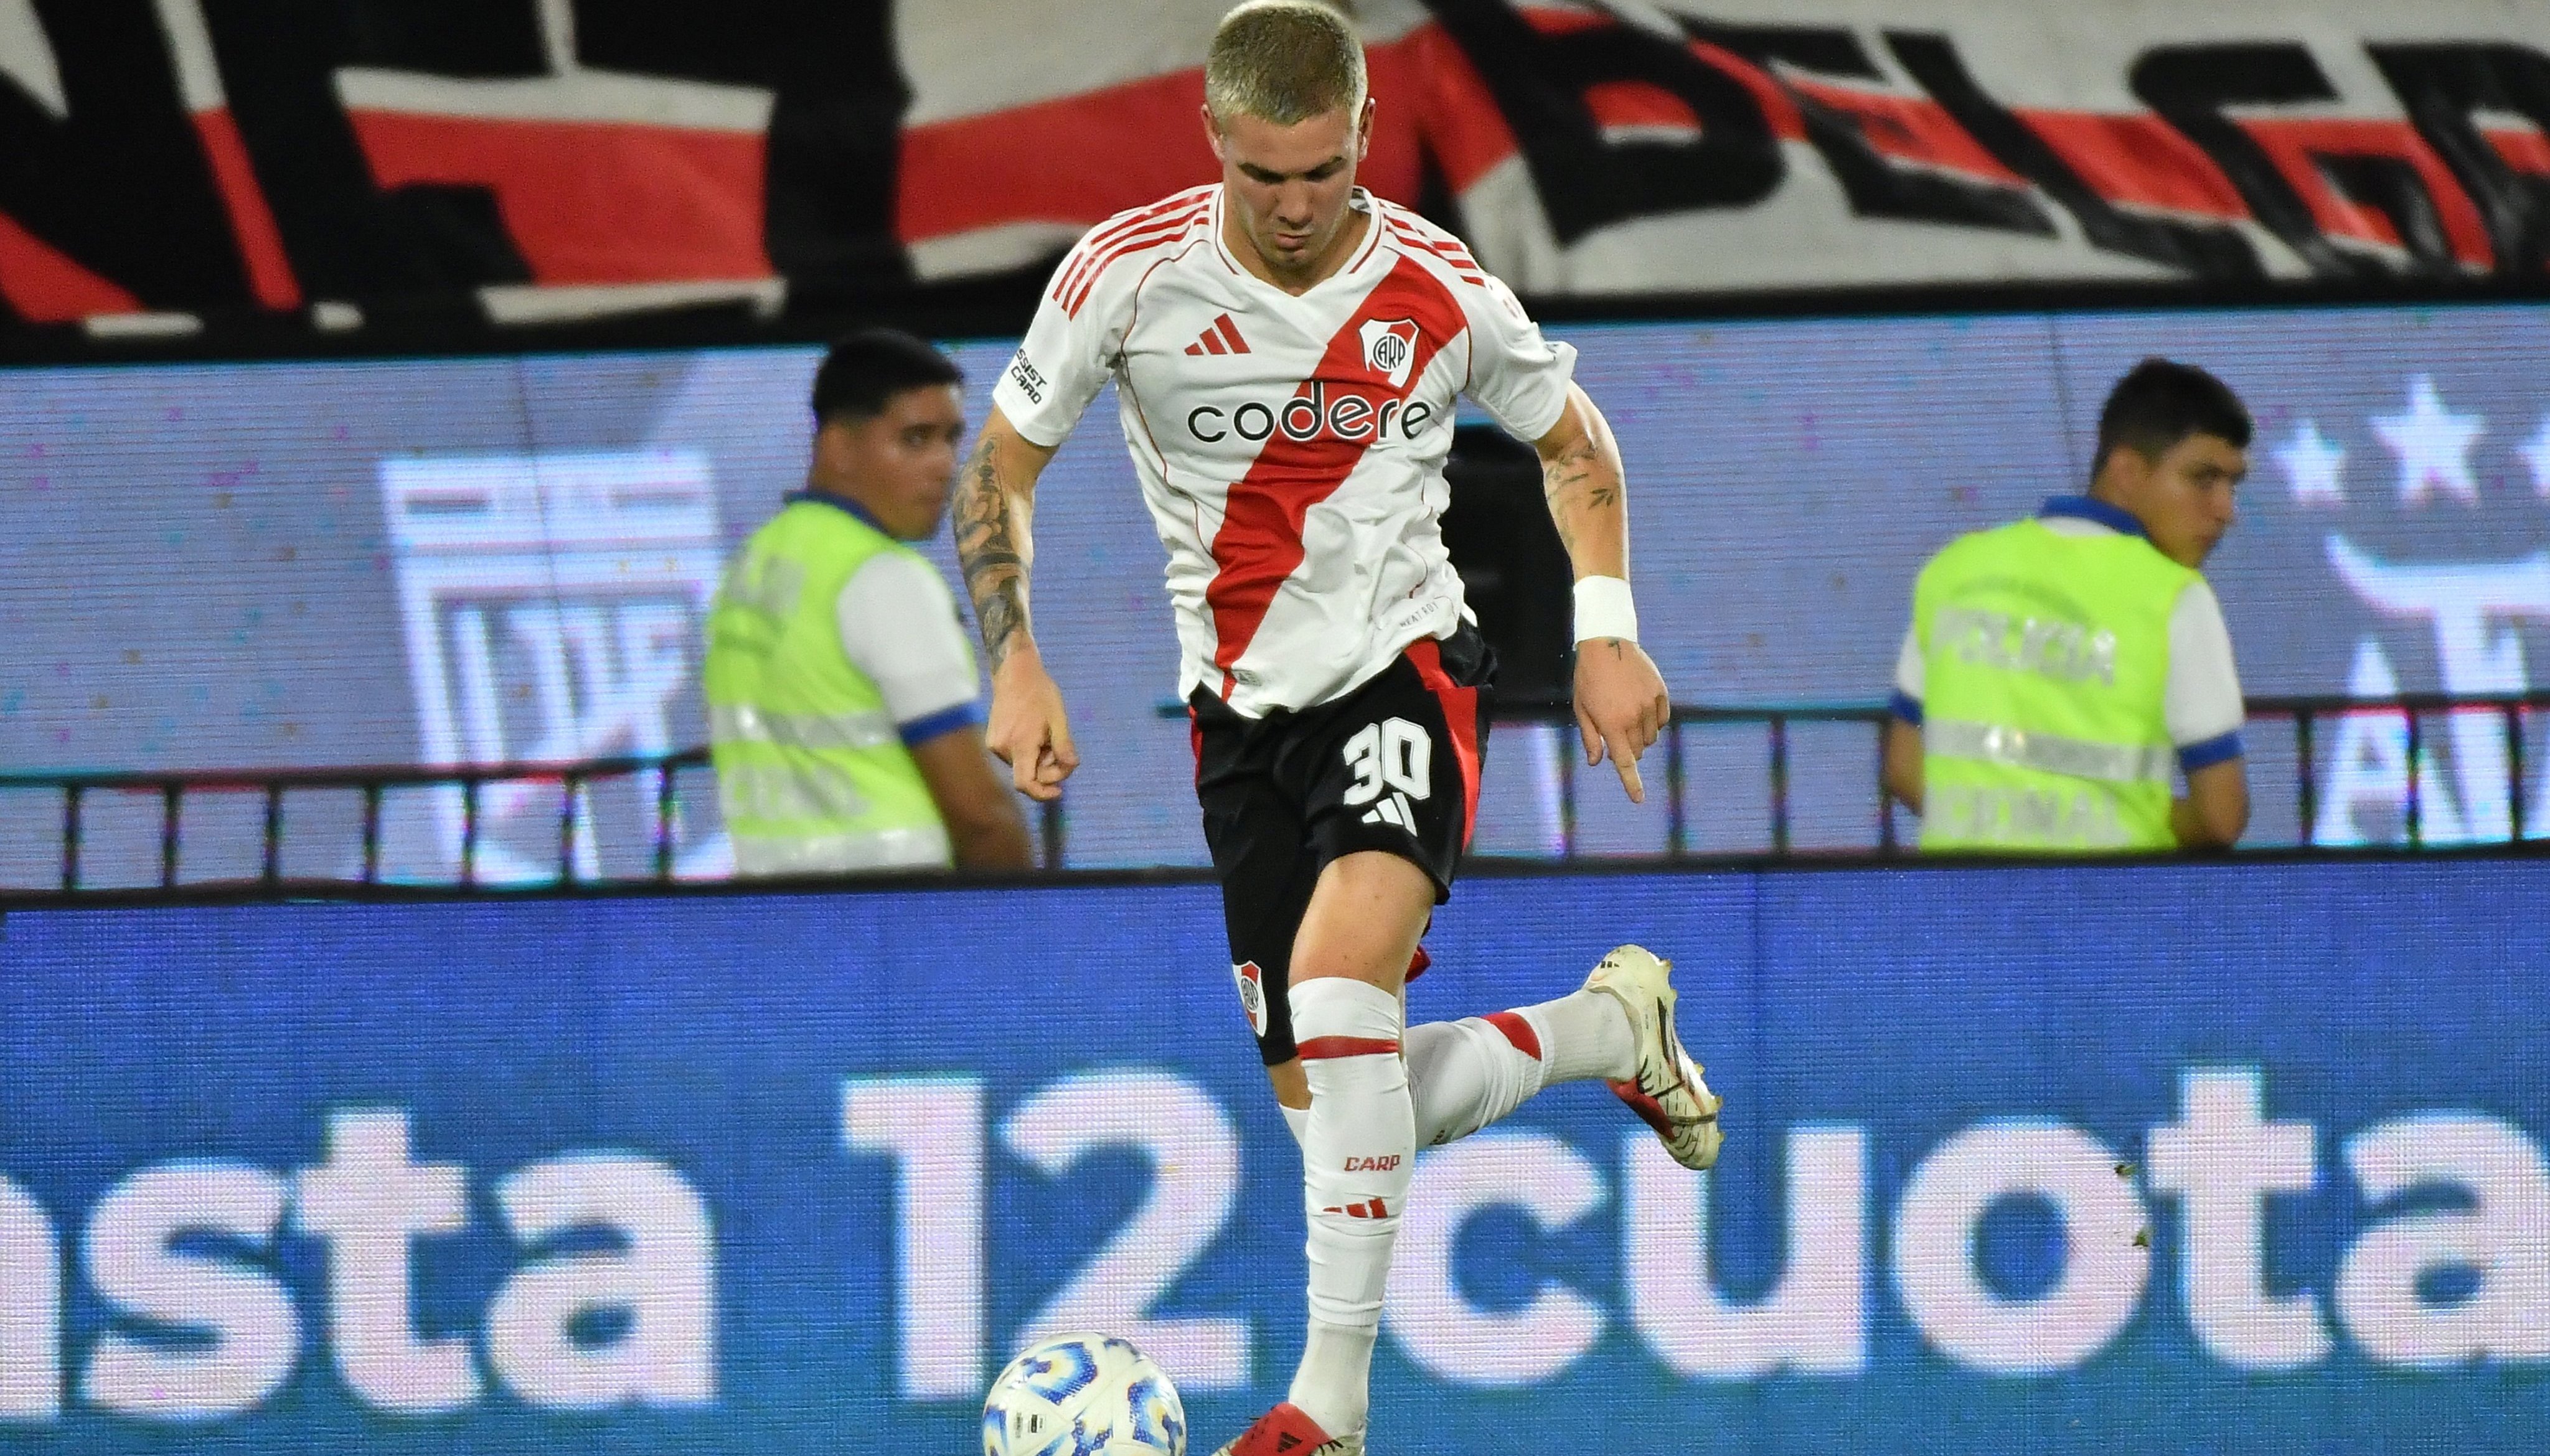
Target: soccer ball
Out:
[1083,1394]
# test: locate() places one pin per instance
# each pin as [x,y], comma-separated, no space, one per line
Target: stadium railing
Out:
[2304,719]
[656,776]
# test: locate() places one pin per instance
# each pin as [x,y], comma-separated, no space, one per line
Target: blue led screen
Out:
[2158,1158]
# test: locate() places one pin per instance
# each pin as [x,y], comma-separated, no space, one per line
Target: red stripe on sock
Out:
[1322,1047]
[1518,1031]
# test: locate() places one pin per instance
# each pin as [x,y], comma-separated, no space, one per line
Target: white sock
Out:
[1467,1074]
[1336,1359]
[1359,1153]
[1584,1034]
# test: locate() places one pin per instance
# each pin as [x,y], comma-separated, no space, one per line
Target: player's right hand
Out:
[1028,731]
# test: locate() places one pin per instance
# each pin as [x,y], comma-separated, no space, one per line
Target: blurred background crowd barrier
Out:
[234,570]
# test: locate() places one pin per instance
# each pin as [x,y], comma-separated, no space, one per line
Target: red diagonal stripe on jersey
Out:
[1231,333]
[1259,543]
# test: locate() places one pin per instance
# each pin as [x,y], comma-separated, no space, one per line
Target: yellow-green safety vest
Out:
[812,774]
[2045,660]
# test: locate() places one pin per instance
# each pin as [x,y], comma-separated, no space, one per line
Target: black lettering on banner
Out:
[1585,182]
[120,185]
[2442,87]
[482,39]
[835,118]
[1877,186]
[2208,252]
[2390,186]
[344,236]
[2190,86]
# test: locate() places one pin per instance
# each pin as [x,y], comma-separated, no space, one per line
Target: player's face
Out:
[1289,186]
[2184,498]
[899,463]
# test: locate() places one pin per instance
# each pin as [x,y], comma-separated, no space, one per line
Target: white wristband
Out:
[1603,609]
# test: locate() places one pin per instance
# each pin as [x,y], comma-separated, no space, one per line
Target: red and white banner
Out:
[555,157]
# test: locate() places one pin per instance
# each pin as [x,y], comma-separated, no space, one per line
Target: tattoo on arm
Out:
[1575,483]
[995,559]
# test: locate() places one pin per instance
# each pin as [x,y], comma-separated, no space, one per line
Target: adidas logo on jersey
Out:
[1221,339]
[1393,811]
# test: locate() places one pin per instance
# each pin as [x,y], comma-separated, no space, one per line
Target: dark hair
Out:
[2160,402]
[872,366]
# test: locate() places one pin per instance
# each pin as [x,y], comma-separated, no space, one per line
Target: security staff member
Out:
[2056,667]
[845,719]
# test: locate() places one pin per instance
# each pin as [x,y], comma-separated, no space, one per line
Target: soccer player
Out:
[2057,666]
[1286,348]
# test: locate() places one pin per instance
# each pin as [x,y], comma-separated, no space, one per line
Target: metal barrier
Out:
[2305,715]
[471,784]
[656,776]
[375,784]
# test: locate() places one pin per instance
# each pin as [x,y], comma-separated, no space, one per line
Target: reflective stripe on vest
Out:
[743,722]
[2043,815]
[812,773]
[918,847]
[1986,742]
[2045,670]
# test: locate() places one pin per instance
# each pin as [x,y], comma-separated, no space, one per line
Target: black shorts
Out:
[1393,767]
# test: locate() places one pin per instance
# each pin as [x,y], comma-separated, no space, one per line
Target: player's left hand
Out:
[1621,706]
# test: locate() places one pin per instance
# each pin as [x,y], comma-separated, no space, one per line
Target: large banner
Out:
[2048,1160]
[572,157]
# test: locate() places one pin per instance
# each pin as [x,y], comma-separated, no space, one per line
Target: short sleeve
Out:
[2201,704]
[1515,374]
[899,625]
[1909,678]
[1067,354]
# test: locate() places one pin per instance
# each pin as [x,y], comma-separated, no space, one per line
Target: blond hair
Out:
[1283,62]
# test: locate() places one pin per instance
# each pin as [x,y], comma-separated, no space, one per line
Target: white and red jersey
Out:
[1291,448]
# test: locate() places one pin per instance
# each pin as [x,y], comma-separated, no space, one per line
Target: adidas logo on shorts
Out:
[1393,810]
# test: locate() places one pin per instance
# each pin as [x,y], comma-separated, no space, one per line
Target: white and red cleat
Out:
[1286,1432]
[1667,1093]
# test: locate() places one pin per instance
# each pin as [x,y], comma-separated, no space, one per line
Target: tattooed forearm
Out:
[1583,489]
[992,545]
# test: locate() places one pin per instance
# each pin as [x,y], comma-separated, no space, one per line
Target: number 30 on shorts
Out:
[1393,754]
